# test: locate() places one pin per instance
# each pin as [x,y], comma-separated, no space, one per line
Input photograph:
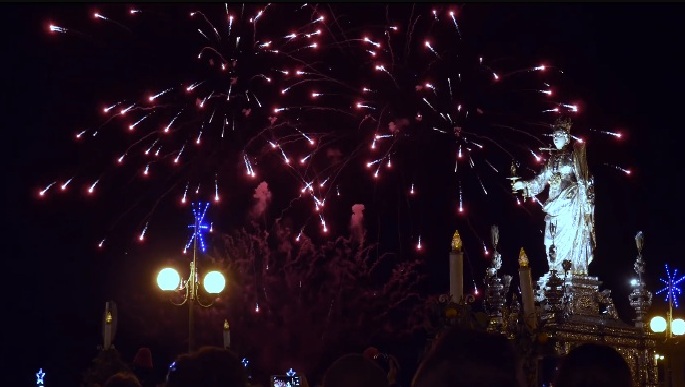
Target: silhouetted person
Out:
[354,370]
[143,367]
[122,379]
[469,358]
[207,367]
[593,365]
[387,361]
[105,364]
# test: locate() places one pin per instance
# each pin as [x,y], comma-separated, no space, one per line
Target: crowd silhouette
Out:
[457,357]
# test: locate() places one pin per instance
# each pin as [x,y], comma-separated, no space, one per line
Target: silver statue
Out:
[569,220]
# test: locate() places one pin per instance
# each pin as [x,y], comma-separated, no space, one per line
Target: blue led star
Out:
[290,372]
[39,377]
[245,362]
[198,227]
[672,290]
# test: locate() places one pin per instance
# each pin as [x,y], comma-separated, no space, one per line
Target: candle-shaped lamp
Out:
[108,325]
[526,283]
[227,335]
[456,269]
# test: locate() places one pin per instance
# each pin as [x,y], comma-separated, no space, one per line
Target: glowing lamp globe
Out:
[214,282]
[168,279]
[657,324]
[678,327]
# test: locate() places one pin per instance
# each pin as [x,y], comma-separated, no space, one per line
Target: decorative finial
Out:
[514,173]
[523,258]
[639,241]
[495,236]
[226,327]
[456,242]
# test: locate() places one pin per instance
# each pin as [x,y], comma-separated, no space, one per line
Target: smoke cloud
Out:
[357,231]
[262,197]
[334,155]
[398,125]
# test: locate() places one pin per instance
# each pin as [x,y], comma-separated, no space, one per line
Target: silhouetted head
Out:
[143,358]
[469,358]
[207,367]
[122,379]
[354,370]
[593,365]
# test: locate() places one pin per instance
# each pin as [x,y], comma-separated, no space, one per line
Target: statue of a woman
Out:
[569,220]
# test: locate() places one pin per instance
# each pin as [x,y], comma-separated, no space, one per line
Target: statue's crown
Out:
[562,124]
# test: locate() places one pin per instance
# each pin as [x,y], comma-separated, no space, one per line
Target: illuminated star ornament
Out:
[40,375]
[672,290]
[198,227]
[290,372]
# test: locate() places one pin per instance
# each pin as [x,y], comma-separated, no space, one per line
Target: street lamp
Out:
[672,327]
[214,282]
[676,327]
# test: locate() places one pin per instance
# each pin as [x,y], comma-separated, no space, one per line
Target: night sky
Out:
[621,62]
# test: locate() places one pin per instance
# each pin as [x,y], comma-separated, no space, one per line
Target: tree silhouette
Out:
[290,301]
[301,304]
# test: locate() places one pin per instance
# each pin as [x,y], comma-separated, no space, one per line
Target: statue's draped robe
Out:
[569,209]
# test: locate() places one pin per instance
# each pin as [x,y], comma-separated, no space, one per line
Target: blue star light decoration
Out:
[198,226]
[672,290]
[40,375]
[290,372]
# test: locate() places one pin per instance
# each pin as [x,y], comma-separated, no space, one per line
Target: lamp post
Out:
[672,328]
[214,282]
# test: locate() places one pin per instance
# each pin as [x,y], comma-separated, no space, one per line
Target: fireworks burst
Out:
[254,100]
[426,95]
[260,98]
